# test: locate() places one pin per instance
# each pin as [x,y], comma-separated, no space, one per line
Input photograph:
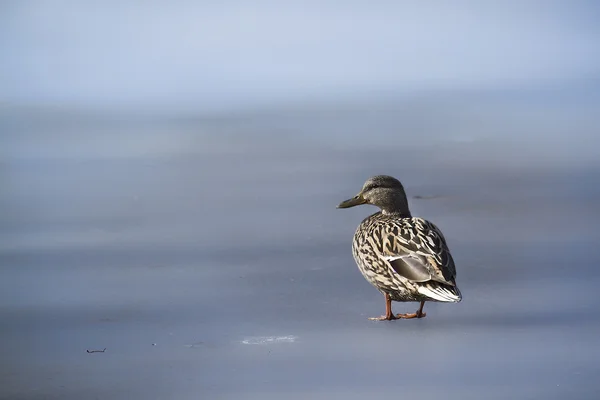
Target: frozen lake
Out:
[209,259]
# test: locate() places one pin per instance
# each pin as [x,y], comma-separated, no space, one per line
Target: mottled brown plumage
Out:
[405,258]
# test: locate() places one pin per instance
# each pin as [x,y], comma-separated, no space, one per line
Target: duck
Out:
[406,258]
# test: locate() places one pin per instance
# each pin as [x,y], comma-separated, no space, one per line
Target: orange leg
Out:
[388,311]
[418,314]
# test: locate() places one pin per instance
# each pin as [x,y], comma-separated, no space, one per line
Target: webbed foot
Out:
[411,315]
[384,318]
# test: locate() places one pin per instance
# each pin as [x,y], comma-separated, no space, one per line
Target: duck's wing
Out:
[417,250]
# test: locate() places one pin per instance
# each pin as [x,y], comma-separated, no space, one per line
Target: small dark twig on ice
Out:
[96,351]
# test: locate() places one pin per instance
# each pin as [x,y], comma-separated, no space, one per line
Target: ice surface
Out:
[214,265]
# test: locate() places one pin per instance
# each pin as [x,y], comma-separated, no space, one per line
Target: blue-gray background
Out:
[169,173]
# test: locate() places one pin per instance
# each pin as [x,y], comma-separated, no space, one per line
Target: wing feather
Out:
[417,250]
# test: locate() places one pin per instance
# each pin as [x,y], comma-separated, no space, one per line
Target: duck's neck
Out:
[396,205]
[398,213]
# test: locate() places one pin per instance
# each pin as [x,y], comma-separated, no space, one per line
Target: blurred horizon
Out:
[205,58]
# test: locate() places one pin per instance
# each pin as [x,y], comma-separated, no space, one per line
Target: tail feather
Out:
[439,292]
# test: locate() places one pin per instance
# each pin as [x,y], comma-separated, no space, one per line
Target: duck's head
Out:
[383,191]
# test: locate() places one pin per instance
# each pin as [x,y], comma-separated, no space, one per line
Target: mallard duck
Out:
[404,257]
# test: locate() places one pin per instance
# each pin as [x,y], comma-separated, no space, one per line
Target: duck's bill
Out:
[355,201]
